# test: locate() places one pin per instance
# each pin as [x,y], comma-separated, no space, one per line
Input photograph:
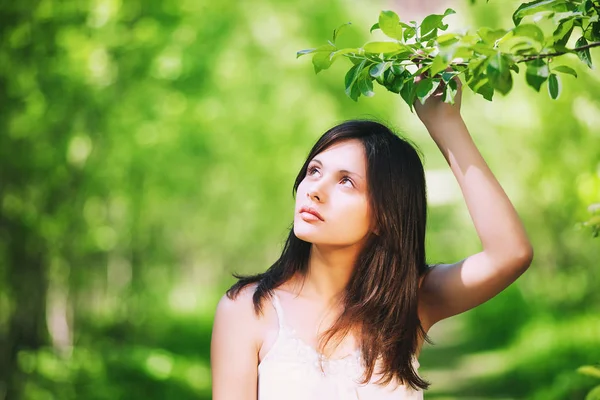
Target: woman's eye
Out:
[312,170]
[347,180]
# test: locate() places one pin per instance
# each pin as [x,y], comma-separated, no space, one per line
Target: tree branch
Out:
[559,53]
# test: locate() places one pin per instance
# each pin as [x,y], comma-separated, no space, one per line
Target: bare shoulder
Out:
[238,311]
[235,343]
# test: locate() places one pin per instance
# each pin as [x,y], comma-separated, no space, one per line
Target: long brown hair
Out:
[381,297]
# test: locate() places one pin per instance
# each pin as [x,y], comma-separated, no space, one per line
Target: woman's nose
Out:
[313,195]
[316,192]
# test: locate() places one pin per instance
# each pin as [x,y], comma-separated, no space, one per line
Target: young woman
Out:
[344,312]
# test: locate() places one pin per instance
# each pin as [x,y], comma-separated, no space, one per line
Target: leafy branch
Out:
[486,59]
[560,53]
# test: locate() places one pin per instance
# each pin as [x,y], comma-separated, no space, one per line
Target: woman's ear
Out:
[375,230]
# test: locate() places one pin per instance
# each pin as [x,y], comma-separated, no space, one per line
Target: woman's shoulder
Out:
[235,314]
[240,302]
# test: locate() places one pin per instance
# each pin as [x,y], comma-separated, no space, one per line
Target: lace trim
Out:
[291,349]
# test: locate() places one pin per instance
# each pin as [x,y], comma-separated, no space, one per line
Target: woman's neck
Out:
[329,271]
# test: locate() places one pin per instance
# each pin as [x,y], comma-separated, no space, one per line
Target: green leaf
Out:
[565,70]
[447,39]
[433,22]
[438,65]
[484,49]
[448,75]
[378,69]
[584,55]
[341,52]
[554,86]
[449,11]
[303,52]
[397,84]
[408,93]
[389,23]
[487,91]
[536,6]
[321,61]
[537,73]
[529,30]
[586,6]
[425,88]
[352,75]
[522,37]
[375,26]
[490,36]
[326,47]
[450,90]
[365,85]
[589,370]
[383,47]
[336,32]
[498,72]
[594,394]
[354,92]
[562,34]
[398,69]
[409,33]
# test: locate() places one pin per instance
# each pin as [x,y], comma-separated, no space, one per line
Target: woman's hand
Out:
[435,111]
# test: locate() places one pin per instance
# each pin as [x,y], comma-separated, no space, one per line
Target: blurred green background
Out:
[148,150]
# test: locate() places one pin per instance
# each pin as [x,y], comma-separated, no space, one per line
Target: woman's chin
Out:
[306,233]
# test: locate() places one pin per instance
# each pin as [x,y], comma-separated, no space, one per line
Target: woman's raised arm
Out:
[449,289]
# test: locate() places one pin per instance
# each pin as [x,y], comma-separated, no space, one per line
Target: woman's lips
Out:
[308,217]
[310,214]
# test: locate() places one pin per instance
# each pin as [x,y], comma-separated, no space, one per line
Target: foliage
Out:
[594,371]
[148,150]
[594,222]
[486,59]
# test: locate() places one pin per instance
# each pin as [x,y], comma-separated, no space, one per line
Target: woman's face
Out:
[335,187]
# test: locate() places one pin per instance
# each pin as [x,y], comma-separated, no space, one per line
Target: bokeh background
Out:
[148,150]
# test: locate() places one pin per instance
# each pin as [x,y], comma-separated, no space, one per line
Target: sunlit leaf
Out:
[321,60]
[389,23]
[535,7]
[562,34]
[529,30]
[341,52]
[589,370]
[384,47]
[447,39]
[433,22]
[489,35]
[565,70]
[438,65]
[327,47]
[339,29]
[594,394]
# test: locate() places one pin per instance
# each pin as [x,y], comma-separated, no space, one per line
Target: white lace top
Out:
[291,371]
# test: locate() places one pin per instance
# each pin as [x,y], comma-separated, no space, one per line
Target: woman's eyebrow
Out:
[342,171]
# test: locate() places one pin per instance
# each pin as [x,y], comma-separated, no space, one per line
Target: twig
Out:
[559,53]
